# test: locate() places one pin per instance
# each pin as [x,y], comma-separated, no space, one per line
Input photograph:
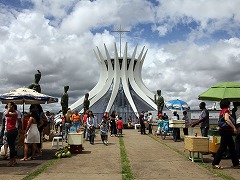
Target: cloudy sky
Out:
[192,45]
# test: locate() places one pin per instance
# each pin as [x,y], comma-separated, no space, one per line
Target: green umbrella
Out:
[223,90]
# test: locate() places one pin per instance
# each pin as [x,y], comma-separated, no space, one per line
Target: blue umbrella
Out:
[177,105]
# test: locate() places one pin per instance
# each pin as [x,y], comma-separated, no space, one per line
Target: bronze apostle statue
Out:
[159,101]
[64,100]
[35,86]
[86,103]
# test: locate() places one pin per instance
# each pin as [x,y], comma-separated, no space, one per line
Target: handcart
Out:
[176,125]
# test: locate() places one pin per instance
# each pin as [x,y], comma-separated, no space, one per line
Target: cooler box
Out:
[176,123]
[75,138]
[196,144]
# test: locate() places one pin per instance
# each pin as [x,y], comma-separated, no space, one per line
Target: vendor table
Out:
[196,145]
[75,140]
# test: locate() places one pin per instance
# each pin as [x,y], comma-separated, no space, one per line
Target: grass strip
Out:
[40,170]
[126,168]
[214,171]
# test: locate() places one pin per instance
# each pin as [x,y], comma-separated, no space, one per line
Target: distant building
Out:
[120,86]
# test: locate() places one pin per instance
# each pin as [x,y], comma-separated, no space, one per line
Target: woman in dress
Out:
[32,135]
[11,131]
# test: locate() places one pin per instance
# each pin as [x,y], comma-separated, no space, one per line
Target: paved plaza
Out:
[149,158]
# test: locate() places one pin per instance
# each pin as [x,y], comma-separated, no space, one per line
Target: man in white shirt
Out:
[150,121]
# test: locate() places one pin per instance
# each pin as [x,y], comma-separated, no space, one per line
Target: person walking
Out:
[113,128]
[119,127]
[104,131]
[160,122]
[150,121]
[142,124]
[91,125]
[226,138]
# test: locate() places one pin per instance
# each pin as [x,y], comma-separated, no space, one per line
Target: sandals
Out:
[217,167]
[27,159]
[24,159]
[32,158]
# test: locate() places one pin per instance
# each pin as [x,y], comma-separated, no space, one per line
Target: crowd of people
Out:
[227,143]
[28,128]
[33,130]
[88,123]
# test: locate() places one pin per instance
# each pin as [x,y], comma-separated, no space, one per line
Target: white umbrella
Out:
[26,96]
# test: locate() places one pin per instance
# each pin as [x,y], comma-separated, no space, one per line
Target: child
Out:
[160,125]
[104,132]
[119,127]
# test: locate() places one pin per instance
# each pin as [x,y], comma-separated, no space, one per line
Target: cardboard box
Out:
[196,144]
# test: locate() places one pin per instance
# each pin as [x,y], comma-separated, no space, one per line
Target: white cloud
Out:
[91,15]
[62,46]
[210,16]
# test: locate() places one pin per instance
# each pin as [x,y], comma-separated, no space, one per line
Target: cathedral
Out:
[120,86]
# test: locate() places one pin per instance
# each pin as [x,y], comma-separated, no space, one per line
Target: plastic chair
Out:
[57,143]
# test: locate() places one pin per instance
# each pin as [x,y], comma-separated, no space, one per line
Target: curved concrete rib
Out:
[107,83]
[99,85]
[124,75]
[116,80]
[136,87]
[138,75]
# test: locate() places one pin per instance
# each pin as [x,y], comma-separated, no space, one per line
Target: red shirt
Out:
[11,123]
[222,112]
[119,124]
[85,116]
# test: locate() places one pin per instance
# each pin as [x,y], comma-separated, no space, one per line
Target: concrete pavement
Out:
[149,159]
